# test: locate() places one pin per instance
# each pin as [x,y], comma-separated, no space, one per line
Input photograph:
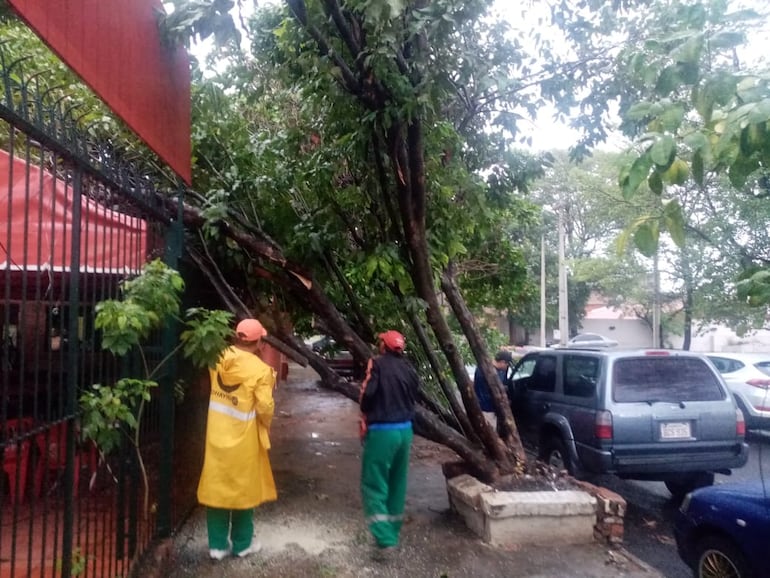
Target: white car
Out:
[748,376]
[591,340]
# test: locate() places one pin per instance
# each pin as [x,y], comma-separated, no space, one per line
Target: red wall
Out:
[115,47]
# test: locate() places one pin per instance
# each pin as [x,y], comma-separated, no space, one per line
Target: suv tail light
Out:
[603,425]
[740,424]
[762,383]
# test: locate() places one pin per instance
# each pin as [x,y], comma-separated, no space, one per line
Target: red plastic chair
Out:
[53,456]
[16,456]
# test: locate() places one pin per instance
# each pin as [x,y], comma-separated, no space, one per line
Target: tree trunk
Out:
[688,300]
[507,426]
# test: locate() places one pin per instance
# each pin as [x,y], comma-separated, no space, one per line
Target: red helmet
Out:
[393,341]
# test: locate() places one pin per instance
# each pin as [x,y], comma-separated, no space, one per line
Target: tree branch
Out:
[348,81]
[333,10]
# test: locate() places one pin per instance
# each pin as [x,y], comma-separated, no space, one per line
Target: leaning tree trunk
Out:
[292,278]
[407,160]
[506,424]
[402,133]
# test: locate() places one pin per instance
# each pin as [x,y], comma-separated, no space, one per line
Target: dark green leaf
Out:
[646,238]
[675,223]
[668,81]
[655,183]
[740,170]
[636,175]
[697,168]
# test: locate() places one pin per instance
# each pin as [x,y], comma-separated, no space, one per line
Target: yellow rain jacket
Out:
[236,467]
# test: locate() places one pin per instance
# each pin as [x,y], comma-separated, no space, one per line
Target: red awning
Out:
[36,226]
[116,48]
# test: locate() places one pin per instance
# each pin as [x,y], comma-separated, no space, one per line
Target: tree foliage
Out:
[357,166]
[112,413]
[375,144]
[699,104]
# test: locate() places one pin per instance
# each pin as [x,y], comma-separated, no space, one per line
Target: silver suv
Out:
[644,414]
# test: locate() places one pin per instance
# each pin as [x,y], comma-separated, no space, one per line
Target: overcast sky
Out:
[545,132]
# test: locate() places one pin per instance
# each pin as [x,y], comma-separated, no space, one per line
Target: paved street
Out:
[651,511]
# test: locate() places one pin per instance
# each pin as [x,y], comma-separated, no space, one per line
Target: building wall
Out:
[719,338]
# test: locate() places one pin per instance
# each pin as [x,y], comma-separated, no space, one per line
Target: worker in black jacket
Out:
[388,396]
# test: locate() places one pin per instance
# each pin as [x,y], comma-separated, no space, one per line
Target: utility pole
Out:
[563,307]
[655,302]
[542,291]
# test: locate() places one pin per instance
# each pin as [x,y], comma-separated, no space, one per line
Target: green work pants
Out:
[225,526]
[384,469]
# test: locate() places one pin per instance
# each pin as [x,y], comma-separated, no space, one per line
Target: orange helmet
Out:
[250,330]
[393,340]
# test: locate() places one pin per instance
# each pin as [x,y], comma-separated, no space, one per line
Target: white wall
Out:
[719,338]
[627,332]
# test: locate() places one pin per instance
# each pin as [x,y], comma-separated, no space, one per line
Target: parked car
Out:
[640,414]
[338,358]
[748,377]
[724,530]
[591,340]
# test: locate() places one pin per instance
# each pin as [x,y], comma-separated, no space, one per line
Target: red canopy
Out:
[116,48]
[36,226]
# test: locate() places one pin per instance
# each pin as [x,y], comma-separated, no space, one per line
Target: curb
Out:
[639,562]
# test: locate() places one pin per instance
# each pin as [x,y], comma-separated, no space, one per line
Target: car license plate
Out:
[675,430]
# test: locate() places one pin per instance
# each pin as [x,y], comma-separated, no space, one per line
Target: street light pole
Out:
[542,291]
[563,307]
[655,302]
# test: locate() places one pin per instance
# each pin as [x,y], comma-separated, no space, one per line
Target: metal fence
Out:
[74,221]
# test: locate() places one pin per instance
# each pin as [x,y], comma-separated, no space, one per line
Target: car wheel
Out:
[681,487]
[554,453]
[717,557]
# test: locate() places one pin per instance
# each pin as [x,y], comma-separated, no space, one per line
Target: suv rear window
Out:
[667,379]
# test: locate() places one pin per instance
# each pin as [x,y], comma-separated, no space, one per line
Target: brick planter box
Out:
[511,518]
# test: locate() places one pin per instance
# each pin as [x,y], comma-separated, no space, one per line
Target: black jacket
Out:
[390,390]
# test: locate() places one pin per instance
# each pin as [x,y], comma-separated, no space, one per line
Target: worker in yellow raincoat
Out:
[236,473]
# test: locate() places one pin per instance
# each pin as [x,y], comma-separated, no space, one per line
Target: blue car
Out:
[724,531]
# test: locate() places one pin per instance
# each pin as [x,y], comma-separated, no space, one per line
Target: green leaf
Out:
[677,173]
[668,81]
[636,175]
[697,168]
[674,220]
[717,90]
[740,170]
[760,113]
[655,183]
[689,52]
[639,111]
[663,151]
[672,117]
[696,141]
[646,238]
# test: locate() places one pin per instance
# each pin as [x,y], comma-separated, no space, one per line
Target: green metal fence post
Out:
[167,400]
[73,352]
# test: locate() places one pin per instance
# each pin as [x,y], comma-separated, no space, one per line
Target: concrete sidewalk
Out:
[316,528]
